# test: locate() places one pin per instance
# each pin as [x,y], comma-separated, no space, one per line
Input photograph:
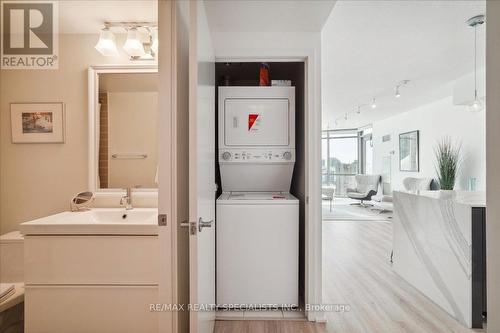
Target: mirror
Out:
[125,134]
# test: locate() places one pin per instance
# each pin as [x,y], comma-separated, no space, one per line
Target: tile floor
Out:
[260,315]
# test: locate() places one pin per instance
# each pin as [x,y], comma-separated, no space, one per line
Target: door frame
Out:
[313,284]
[168,284]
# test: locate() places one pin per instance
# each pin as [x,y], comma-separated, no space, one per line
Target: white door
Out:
[201,170]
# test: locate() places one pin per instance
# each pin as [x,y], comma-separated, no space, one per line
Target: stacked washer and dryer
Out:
[257,245]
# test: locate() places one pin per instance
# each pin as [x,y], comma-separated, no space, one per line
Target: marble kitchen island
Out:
[439,248]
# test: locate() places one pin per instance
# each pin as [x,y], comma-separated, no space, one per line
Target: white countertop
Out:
[96,221]
[473,199]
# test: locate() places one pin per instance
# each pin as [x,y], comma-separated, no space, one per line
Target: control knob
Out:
[287,155]
[226,155]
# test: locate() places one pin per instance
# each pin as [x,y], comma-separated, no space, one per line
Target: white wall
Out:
[265,45]
[434,121]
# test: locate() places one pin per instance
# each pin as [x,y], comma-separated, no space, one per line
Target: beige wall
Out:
[39,179]
[493,163]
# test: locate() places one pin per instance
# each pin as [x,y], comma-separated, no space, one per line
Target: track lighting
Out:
[373,104]
[107,43]
[401,83]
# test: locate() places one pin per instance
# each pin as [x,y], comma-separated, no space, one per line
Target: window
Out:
[340,159]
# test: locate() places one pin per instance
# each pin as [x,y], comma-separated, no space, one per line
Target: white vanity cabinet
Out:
[92,259]
[90,282]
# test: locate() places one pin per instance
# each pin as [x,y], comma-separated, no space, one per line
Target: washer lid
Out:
[257,197]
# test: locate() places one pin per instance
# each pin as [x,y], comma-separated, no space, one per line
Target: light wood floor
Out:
[357,273]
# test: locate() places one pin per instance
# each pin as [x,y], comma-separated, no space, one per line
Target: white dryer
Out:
[256,138]
[257,219]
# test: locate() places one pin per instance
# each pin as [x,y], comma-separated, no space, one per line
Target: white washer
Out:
[257,249]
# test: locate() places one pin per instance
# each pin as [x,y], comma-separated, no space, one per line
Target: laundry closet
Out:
[260,173]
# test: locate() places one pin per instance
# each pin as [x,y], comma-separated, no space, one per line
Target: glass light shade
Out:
[154,46]
[133,46]
[476,105]
[107,43]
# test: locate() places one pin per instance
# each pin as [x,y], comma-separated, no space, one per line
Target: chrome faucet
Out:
[126,200]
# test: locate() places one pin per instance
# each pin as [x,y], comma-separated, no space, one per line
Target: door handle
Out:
[204,224]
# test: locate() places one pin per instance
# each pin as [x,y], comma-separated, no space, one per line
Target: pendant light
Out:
[133,45]
[107,43]
[476,105]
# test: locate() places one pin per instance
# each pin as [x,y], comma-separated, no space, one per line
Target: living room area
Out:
[395,129]
[404,164]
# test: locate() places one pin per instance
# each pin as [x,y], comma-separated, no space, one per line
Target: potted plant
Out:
[448,163]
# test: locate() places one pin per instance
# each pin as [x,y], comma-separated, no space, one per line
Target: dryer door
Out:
[256,122]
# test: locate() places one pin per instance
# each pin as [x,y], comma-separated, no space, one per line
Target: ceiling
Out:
[77,16]
[369,46]
[267,15]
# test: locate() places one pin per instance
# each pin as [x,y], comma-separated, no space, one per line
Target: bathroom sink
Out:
[134,216]
[107,221]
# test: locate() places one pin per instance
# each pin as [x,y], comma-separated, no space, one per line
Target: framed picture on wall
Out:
[37,122]
[409,151]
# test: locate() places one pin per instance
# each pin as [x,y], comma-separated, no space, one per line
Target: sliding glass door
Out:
[340,159]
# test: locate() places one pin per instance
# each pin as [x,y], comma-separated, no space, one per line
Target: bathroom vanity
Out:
[440,248]
[99,267]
